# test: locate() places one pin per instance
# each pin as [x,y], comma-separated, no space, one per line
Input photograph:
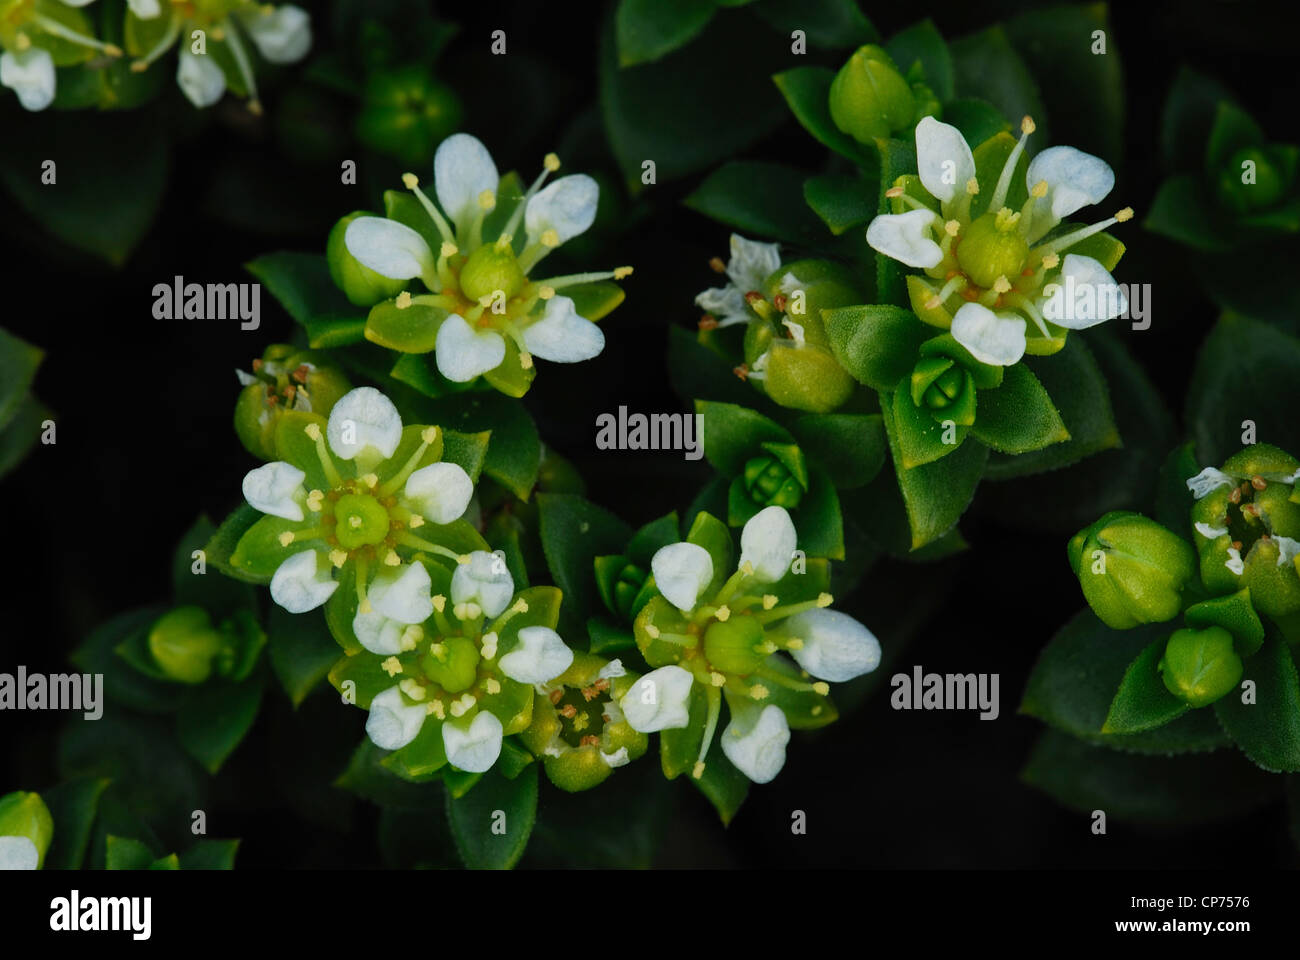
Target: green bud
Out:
[804,377]
[1200,666]
[627,588]
[452,663]
[362,521]
[362,286]
[770,484]
[406,113]
[944,387]
[1263,185]
[735,645]
[285,378]
[869,97]
[491,268]
[1132,570]
[993,248]
[24,816]
[184,644]
[805,288]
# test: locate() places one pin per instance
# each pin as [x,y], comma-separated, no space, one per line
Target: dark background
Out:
[144,443]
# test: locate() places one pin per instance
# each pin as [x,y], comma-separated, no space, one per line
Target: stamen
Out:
[953,285]
[411,540]
[396,481]
[313,432]
[574,279]
[162,46]
[714,695]
[1009,168]
[412,183]
[245,67]
[1074,236]
[403,300]
[54,28]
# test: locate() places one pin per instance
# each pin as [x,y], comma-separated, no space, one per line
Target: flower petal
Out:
[484,580]
[439,492]
[681,572]
[659,701]
[995,338]
[943,158]
[618,758]
[567,206]
[363,418]
[1207,480]
[1084,295]
[387,247]
[301,583]
[282,34]
[145,9]
[30,74]
[402,593]
[1074,179]
[835,646]
[759,751]
[463,169]
[377,633]
[752,263]
[393,723]
[726,304]
[540,657]
[200,79]
[464,353]
[905,237]
[475,746]
[18,853]
[561,335]
[271,489]
[767,543]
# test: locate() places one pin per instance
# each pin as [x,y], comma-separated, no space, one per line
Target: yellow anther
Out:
[747,568]
[448,249]
[821,688]
[952,227]
[972,186]
[433,709]
[429,434]
[1040,190]
[769,601]
[1001,285]
[438,650]
[24,42]
[354,522]
[413,689]
[416,521]
[411,637]
[365,606]
[1051,260]
[487,199]
[487,298]
[550,239]
[724,612]
[286,538]
[458,708]
[816,711]
[545,293]
[492,686]
[824,599]
[403,300]
[410,181]
[551,162]
[392,666]
[526,360]
[489,648]
[312,430]
[137,66]
[717,679]
[1124,215]
[439,603]
[767,647]
[794,643]
[1027,125]
[113,50]
[1006,218]
[652,631]
[758,692]
[621,273]
[370,480]
[699,769]
[338,557]
[391,559]
[521,606]
[894,192]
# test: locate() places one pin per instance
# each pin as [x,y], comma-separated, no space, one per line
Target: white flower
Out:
[474,746]
[1074,179]
[682,571]
[465,352]
[758,751]
[463,171]
[540,657]
[561,335]
[393,723]
[30,74]
[767,543]
[276,488]
[991,337]
[282,34]
[399,597]
[905,237]
[835,646]
[389,248]
[302,583]
[750,265]
[484,582]
[439,492]
[943,159]
[18,853]
[567,206]
[1207,480]
[661,700]
[1083,295]
[364,418]
[200,79]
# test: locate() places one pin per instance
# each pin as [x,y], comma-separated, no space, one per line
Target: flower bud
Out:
[184,644]
[362,286]
[26,829]
[1265,189]
[735,645]
[285,378]
[1132,570]
[406,113]
[769,483]
[804,377]
[1200,666]
[452,663]
[869,97]
[631,580]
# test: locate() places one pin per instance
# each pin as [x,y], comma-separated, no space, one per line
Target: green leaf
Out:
[827,23]
[1163,790]
[217,594]
[1180,211]
[367,777]
[807,92]
[224,542]
[213,721]
[302,651]
[712,534]
[921,438]
[922,43]
[468,450]
[1018,417]
[1077,387]
[724,785]
[325,332]
[850,447]
[608,640]
[818,520]
[491,824]
[697,371]
[1073,685]
[649,29]
[20,435]
[210,855]
[877,344]
[1143,702]
[596,300]
[122,684]
[1234,613]
[1233,129]
[1188,116]
[72,806]
[413,329]
[574,531]
[302,285]
[842,200]
[1268,730]
[514,451]
[978,120]
[127,854]
[1238,373]
[727,195]
[985,65]
[734,434]
[18,363]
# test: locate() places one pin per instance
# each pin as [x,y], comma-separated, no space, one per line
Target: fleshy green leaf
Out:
[72,807]
[807,92]
[842,200]
[301,283]
[827,23]
[302,651]
[595,300]
[649,29]
[986,65]
[1018,416]
[923,43]
[492,822]
[724,785]
[850,447]
[1143,702]
[727,195]
[574,531]
[877,344]
[733,434]
[1268,730]
[214,720]
[210,855]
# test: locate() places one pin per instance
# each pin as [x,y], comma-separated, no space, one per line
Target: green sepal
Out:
[411,329]
[920,435]
[1234,613]
[712,534]
[594,301]
[986,376]
[421,759]
[1143,702]
[1019,416]
[260,553]
[368,678]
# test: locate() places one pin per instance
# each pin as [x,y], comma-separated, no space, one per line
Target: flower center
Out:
[581,713]
[360,521]
[992,247]
[491,271]
[735,645]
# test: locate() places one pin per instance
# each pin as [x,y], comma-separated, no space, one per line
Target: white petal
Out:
[283,35]
[1207,480]
[145,9]
[996,338]
[661,700]
[567,206]
[540,657]
[905,237]
[387,247]
[363,418]
[271,488]
[1209,532]
[1084,295]
[301,583]
[463,169]
[1234,561]
[611,670]
[752,263]
[767,543]
[681,572]
[1287,549]
[378,633]
[402,593]
[759,752]
[485,580]
[200,79]
[473,747]
[726,304]
[464,353]
[18,853]
[618,758]
[835,646]
[30,74]
[1074,179]
[393,723]
[943,159]
[439,492]
[560,335]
